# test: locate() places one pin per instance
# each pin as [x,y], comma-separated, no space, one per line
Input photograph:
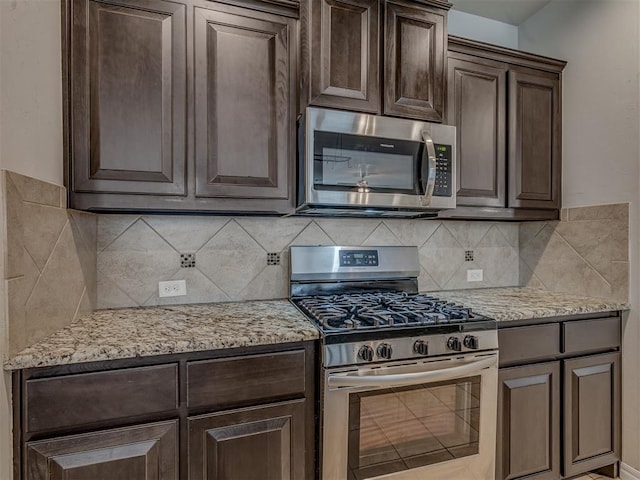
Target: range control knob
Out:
[421,347]
[385,351]
[455,344]
[365,353]
[471,341]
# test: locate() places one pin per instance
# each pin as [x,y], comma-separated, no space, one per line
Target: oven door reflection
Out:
[422,430]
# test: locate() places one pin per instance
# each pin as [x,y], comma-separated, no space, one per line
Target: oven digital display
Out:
[358,258]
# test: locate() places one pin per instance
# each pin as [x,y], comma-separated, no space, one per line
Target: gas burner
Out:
[357,311]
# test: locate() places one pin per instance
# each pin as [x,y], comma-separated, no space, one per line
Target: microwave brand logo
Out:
[387,145]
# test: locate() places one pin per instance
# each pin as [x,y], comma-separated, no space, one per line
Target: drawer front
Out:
[91,398]
[591,335]
[240,380]
[535,342]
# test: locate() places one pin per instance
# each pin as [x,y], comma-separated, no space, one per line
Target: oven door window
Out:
[365,164]
[403,428]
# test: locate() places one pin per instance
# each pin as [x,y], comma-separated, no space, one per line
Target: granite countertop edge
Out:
[117,334]
[127,333]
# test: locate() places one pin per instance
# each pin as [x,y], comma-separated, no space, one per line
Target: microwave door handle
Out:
[404,379]
[428,168]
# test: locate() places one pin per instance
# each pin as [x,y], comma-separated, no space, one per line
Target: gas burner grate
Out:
[356,311]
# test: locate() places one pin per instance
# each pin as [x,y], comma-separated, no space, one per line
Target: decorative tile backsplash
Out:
[585,253]
[50,260]
[234,256]
[62,263]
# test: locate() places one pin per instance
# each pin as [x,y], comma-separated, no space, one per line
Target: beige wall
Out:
[30,128]
[31,88]
[599,39]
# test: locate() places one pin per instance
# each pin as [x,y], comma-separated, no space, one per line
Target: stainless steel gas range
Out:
[409,382]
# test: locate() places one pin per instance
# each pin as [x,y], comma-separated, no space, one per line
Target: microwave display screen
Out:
[354,162]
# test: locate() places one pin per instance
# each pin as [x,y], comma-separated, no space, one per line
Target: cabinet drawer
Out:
[241,380]
[535,342]
[591,335]
[90,398]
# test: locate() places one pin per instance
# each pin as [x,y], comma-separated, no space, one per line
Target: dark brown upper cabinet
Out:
[477,106]
[344,72]
[128,96]
[534,139]
[414,56]
[244,91]
[506,107]
[377,56]
[138,139]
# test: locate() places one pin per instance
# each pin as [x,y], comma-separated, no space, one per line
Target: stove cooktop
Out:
[376,310]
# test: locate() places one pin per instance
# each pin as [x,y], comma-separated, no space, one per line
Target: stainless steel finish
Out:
[375,126]
[405,379]
[323,264]
[336,415]
[347,353]
[430,153]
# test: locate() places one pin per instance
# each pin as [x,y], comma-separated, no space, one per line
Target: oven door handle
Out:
[403,379]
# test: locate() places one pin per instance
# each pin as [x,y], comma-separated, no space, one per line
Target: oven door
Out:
[424,420]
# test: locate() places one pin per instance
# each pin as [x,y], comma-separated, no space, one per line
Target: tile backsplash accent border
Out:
[49,259]
[136,252]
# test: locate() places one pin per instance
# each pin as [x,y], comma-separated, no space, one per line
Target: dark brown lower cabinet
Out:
[258,443]
[529,422]
[591,401]
[145,452]
[231,414]
[559,397]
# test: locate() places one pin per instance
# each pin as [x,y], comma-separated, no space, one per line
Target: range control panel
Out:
[358,258]
[443,186]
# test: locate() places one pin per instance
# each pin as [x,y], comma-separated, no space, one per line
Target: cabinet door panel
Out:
[414,74]
[528,422]
[244,86]
[260,443]
[128,96]
[477,107]
[148,452]
[592,406]
[345,54]
[534,141]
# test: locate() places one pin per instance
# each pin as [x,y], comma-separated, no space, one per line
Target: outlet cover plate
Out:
[474,275]
[173,288]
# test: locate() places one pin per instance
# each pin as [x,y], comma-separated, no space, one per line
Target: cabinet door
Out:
[148,452]
[528,443]
[344,51]
[259,443]
[534,140]
[127,96]
[592,412]
[414,58]
[245,87]
[477,107]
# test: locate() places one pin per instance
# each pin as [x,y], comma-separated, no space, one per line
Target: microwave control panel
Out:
[443,185]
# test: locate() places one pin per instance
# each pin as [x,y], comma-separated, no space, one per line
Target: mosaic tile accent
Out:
[50,260]
[586,253]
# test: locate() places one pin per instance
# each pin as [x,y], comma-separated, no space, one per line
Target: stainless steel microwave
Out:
[355,164]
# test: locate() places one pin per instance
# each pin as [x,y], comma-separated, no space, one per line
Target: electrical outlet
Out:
[474,275]
[173,288]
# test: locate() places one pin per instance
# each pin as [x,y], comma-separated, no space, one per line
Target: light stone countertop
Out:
[141,332]
[522,303]
[148,331]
